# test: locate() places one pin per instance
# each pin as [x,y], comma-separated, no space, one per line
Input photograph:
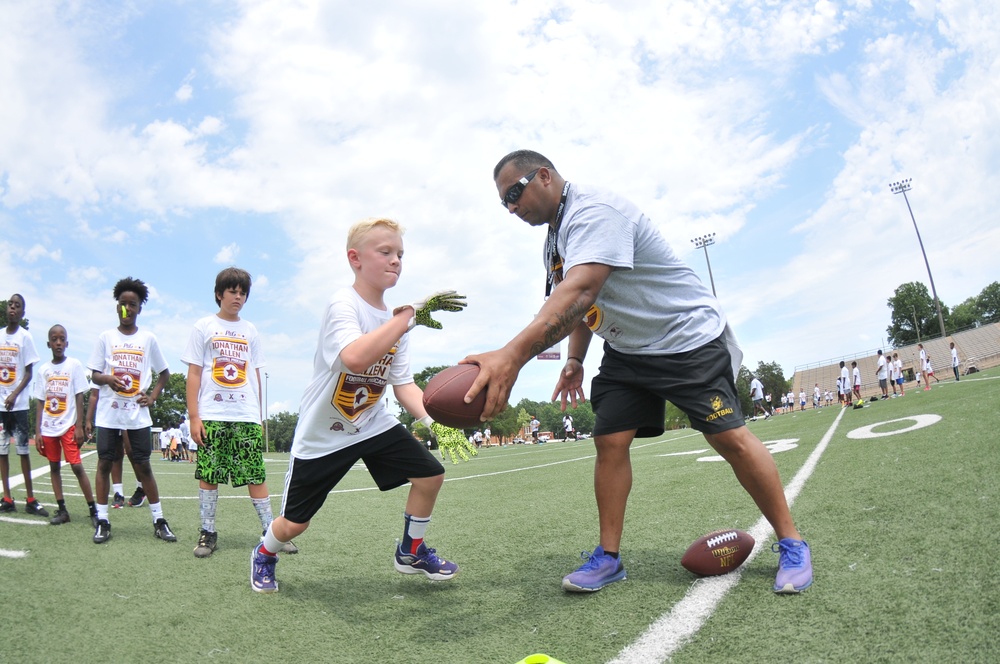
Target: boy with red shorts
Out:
[59,389]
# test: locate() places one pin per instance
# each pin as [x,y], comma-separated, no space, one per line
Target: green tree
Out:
[914,315]
[281,430]
[170,407]
[965,315]
[988,304]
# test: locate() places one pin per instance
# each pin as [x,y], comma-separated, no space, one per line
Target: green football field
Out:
[900,502]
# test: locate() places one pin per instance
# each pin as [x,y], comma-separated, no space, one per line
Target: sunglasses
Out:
[513,194]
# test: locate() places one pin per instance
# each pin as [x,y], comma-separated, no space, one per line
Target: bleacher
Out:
[978,347]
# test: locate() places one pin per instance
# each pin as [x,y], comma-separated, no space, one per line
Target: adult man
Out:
[757,397]
[610,272]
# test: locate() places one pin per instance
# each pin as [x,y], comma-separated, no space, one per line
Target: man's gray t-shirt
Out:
[652,303]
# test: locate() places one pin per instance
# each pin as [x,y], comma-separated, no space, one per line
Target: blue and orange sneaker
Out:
[425,562]
[262,571]
[599,570]
[795,571]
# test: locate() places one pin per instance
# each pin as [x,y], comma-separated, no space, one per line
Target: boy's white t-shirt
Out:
[340,408]
[881,367]
[57,386]
[132,359]
[229,354]
[17,352]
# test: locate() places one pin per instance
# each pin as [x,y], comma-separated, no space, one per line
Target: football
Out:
[444,397]
[718,553]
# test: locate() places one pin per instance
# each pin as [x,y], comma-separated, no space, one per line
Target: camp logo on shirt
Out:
[355,393]
[126,366]
[8,365]
[229,369]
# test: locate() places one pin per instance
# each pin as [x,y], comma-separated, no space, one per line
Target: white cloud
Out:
[227,255]
[776,125]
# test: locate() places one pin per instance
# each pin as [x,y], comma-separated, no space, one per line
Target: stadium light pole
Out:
[704,242]
[267,440]
[902,187]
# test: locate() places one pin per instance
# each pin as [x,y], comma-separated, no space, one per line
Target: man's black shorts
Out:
[631,391]
[391,457]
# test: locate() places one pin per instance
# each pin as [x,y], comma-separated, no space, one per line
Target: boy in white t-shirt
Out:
[59,428]
[363,347]
[122,366]
[17,357]
[224,357]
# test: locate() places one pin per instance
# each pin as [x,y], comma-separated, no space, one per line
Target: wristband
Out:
[574,358]
[426,420]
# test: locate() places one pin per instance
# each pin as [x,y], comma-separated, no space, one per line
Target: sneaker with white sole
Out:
[103,532]
[35,507]
[162,530]
[138,498]
[207,543]
[118,502]
[599,571]
[795,572]
[262,571]
[426,562]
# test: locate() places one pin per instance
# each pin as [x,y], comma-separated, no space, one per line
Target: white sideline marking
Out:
[671,631]
[7,553]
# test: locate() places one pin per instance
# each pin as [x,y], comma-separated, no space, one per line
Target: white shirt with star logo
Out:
[132,359]
[229,354]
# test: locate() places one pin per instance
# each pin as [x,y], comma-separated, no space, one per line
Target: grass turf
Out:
[903,530]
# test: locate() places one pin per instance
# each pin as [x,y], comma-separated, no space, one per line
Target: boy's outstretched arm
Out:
[369,348]
[411,398]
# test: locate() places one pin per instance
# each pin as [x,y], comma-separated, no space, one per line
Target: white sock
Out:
[156,510]
[117,488]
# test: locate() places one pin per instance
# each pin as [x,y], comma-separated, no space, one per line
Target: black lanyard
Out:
[553,260]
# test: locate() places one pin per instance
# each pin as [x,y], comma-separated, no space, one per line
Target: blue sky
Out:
[166,140]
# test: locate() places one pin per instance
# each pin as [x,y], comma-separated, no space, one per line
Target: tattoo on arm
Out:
[565,323]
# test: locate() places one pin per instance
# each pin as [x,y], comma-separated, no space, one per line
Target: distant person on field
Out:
[844,385]
[897,365]
[535,424]
[856,373]
[757,398]
[817,398]
[882,374]
[954,360]
[364,347]
[611,273]
[59,429]
[802,399]
[568,427]
[122,365]
[929,373]
[224,357]
[17,359]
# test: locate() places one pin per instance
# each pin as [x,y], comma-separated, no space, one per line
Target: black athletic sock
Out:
[61,504]
[613,554]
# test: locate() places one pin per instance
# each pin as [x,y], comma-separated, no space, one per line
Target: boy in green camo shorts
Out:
[224,358]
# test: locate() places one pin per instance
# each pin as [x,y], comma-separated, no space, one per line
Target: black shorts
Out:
[631,391]
[392,458]
[110,446]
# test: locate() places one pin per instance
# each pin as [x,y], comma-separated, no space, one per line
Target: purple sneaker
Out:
[262,571]
[599,570]
[424,561]
[795,571]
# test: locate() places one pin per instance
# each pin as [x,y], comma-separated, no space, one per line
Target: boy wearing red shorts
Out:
[59,388]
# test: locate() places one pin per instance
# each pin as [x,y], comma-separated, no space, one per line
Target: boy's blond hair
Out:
[359,231]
